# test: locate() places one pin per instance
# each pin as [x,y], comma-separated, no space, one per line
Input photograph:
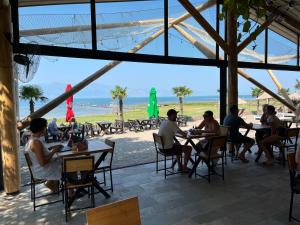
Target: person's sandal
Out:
[243,159]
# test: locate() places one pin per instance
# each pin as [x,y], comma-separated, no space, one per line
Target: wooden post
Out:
[60,99]
[232,58]
[8,128]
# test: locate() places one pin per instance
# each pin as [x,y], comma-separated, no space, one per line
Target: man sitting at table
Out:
[277,134]
[235,123]
[167,130]
[210,125]
[53,130]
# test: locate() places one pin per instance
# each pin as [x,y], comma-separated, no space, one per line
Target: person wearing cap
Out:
[167,130]
[235,122]
[210,125]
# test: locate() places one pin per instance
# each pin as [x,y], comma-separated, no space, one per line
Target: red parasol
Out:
[70,113]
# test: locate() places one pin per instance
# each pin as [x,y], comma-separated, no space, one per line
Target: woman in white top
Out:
[45,164]
[277,133]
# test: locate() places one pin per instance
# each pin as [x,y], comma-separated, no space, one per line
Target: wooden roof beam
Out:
[206,26]
[288,19]
[253,35]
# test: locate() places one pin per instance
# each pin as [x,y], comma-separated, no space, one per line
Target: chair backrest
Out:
[29,164]
[124,212]
[158,140]
[111,144]
[224,130]
[78,170]
[215,144]
[292,133]
[78,164]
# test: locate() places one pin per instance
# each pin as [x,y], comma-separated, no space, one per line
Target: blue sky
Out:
[55,73]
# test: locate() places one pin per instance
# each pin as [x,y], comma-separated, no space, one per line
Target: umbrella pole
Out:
[60,99]
[211,54]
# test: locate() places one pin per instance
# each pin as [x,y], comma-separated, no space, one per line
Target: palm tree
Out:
[181,92]
[120,94]
[297,85]
[256,92]
[32,93]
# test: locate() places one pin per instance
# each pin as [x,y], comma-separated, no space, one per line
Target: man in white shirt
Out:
[167,130]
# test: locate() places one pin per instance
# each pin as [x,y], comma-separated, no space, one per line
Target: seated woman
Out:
[262,133]
[44,163]
[277,133]
[210,125]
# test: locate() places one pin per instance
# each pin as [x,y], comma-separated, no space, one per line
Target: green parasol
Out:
[153,110]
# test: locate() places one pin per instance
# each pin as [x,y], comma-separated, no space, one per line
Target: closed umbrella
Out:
[153,111]
[70,113]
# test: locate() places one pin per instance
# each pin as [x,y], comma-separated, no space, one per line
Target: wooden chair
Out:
[135,126]
[295,186]
[34,182]
[215,144]
[158,140]
[106,165]
[224,131]
[288,143]
[118,127]
[78,173]
[124,212]
[182,121]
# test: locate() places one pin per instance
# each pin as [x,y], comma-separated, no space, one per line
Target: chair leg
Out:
[111,180]
[208,166]
[225,154]
[291,206]
[31,190]
[93,196]
[223,174]
[66,205]
[165,167]
[33,196]
[156,162]
[104,177]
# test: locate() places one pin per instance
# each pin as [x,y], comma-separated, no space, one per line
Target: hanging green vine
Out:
[242,15]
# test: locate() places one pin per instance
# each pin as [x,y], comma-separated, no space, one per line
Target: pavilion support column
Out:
[8,125]
[232,58]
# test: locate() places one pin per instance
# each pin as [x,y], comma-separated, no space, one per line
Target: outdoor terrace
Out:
[251,194]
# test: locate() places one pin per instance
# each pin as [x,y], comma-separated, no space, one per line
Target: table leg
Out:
[100,189]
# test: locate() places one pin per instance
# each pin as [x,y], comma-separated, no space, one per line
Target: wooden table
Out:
[104,127]
[189,140]
[94,147]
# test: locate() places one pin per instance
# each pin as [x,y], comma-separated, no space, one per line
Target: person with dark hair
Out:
[234,122]
[277,133]
[45,164]
[210,125]
[167,130]
[262,133]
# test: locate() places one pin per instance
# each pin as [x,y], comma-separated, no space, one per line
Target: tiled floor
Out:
[250,194]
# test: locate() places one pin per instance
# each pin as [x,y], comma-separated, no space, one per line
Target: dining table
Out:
[189,139]
[94,147]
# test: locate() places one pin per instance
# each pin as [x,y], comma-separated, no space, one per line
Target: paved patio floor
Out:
[251,194]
